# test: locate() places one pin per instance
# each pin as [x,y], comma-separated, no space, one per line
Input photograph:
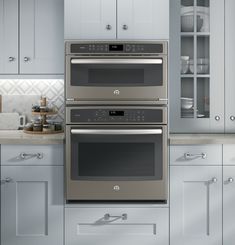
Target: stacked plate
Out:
[187,18]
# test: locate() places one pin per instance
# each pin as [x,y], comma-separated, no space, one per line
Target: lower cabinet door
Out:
[116,226]
[32,205]
[196,205]
[228,205]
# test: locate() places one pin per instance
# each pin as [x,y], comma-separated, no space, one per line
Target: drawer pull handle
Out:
[24,155]
[189,156]
[6,180]
[108,216]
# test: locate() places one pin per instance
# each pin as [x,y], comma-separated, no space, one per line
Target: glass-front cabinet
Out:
[196,66]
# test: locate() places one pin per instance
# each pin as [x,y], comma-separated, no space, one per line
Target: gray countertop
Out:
[193,139]
[19,137]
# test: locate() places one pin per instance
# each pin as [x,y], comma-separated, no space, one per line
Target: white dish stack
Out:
[187,18]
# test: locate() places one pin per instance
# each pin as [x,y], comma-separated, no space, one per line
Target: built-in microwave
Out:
[116,71]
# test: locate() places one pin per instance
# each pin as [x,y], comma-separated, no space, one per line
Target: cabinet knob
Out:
[6,180]
[230,179]
[11,58]
[108,27]
[125,27]
[26,59]
[213,180]
[217,118]
[232,118]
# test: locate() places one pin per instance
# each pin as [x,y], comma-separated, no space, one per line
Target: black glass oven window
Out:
[116,157]
[116,75]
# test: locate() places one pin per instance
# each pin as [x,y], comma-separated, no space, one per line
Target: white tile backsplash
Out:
[52,89]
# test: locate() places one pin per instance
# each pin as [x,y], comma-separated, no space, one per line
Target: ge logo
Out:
[116,188]
[116,92]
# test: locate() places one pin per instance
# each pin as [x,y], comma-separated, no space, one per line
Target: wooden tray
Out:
[41,132]
[44,113]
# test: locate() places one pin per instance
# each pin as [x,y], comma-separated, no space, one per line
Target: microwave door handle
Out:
[116,61]
[116,131]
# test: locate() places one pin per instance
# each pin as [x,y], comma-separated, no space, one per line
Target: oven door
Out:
[116,163]
[112,78]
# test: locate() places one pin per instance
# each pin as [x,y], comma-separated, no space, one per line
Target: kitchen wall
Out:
[52,89]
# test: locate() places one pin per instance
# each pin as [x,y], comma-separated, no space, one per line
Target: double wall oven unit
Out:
[116,72]
[116,153]
[116,121]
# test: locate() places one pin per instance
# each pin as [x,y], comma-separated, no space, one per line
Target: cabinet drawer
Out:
[229,154]
[115,226]
[196,155]
[32,154]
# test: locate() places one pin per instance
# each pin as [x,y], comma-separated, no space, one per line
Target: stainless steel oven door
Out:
[116,78]
[110,163]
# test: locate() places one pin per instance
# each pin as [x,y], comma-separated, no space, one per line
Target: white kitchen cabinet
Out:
[196,155]
[228,205]
[40,34]
[8,36]
[34,155]
[31,205]
[229,66]
[116,19]
[196,205]
[128,226]
[143,19]
[196,64]
[90,19]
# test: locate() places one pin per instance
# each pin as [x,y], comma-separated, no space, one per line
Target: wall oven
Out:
[116,71]
[116,153]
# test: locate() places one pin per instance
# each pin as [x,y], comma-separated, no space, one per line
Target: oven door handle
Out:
[117,131]
[116,61]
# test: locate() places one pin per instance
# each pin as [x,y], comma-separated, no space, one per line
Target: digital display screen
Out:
[115,47]
[116,113]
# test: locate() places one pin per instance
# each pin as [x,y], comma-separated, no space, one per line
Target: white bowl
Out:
[201,69]
[186,103]
[187,23]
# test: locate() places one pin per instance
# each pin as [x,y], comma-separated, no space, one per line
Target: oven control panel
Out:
[96,48]
[116,115]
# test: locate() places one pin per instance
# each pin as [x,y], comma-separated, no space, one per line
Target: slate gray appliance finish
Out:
[116,153]
[116,71]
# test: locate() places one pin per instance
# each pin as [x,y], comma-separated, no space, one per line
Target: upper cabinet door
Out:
[8,36]
[41,37]
[229,66]
[143,19]
[196,66]
[90,19]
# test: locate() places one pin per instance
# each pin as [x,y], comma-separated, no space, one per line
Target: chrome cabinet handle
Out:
[125,27]
[230,180]
[24,155]
[108,216]
[6,180]
[188,155]
[26,59]
[11,58]
[217,118]
[232,118]
[108,27]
